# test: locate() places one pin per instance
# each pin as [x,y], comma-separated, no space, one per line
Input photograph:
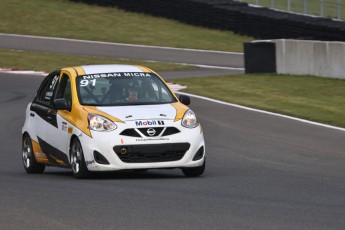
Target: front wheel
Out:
[195,171]
[77,161]
[29,160]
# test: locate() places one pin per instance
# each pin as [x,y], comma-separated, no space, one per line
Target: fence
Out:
[322,8]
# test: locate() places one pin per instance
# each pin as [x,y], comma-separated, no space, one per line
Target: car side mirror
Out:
[61,104]
[184,99]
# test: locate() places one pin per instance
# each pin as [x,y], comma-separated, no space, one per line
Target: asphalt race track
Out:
[263,172]
[218,59]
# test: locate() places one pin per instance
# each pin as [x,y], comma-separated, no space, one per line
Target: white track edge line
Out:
[210,66]
[264,112]
[120,44]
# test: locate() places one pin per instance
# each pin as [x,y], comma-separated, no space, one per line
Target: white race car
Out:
[108,118]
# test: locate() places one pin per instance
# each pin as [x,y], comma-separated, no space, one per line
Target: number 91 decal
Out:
[86,82]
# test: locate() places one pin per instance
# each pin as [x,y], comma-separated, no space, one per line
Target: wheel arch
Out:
[26,133]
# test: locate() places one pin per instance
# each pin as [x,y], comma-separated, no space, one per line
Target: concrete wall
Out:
[301,57]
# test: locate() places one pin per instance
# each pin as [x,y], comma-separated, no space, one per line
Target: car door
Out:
[59,135]
[42,104]
[45,120]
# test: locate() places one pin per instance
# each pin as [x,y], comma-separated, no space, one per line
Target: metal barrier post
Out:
[305,5]
[289,5]
[321,8]
[339,9]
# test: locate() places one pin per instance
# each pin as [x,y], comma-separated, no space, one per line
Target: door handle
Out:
[32,114]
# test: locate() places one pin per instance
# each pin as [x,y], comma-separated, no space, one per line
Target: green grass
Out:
[62,18]
[48,62]
[312,98]
[313,6]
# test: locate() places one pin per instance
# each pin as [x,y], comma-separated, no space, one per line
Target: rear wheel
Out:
[195,171]
[77,161]
[29,161]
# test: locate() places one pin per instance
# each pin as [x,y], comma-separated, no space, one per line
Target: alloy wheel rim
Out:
[27,153]
[76,157]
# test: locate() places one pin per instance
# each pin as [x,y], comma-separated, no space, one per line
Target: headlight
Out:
[189,119]
[99,123]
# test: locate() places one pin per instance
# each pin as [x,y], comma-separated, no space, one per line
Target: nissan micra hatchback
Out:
[108,118]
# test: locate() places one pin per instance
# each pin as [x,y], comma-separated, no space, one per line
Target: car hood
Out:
[140,112]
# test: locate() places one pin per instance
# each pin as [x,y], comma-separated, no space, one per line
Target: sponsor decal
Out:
[91,78]
[70,129]
[54,81]
[122,142]
[149,122]
[64,126]
[89,162]
[153,139]
[124,74]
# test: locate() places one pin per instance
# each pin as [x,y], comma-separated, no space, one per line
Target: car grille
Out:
[151,153]
[170,131]
[130,133]
[158,130]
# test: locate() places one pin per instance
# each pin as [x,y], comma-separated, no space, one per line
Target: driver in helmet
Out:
[133,91]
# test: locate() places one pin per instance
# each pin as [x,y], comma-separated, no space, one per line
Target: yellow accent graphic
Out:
[77,116]
[80,70]
[180,110]
[39,155]
[70,129]
[60,162]
[144,69]
[94,110]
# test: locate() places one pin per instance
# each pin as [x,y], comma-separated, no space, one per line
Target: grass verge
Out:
[62,18]
[48,62]
[312,98]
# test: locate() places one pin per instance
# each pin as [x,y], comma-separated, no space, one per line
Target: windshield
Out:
[111,89]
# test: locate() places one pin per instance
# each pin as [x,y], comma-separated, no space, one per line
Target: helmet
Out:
[133,91]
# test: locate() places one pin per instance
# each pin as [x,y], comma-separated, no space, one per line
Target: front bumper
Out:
[128,152]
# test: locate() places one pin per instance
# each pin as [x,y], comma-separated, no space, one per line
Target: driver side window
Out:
[64,90]
[47,89]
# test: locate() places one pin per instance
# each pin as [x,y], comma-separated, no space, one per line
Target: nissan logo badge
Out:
[151,131]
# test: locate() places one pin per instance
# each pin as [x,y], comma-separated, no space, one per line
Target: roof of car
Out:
[113,68]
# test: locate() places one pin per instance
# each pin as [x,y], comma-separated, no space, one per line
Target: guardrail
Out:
[322,8]
[239,17]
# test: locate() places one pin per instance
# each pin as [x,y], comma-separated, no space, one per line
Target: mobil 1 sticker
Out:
[143,123]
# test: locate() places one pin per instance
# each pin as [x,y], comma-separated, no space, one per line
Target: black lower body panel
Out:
[151,153]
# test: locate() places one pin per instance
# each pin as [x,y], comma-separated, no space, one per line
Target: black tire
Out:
[29,161]
[195,171]
[77,161]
